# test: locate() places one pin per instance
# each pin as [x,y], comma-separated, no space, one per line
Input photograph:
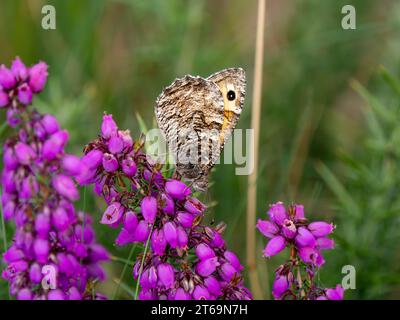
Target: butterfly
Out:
[197,116]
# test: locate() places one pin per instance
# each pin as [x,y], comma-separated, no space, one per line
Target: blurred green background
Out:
[330,105]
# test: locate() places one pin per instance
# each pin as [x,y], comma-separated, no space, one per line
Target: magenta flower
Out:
[113,214]
[37,77]
[65,186]
[274,246]
[267,228]
[166,275]
[25,94]
[149,208]
[321,228]
[7,79]
[280,286]
[277,213]
[109,127]
[305,238]
[336,293]
[177,189]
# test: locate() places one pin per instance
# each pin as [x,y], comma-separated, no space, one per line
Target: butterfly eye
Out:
[231,95]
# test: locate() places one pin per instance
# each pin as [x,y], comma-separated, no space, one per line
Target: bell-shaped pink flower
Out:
[280,286]
[37,76]
[203,251]
[158,242]
[113,213]
[149,208]
[24,94]
[320,228]
[177,189]
[305,238]
[277,213]
[171,234]
[110,162]
[201,293]
[267,228]
[108,127]
[166,275]
[274,246]
[65,187]
[335,293]
[7,79]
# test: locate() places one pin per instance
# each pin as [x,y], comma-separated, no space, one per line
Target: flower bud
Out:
[24,94]
[305,238]
[129,167]
[267,228]
[108,127]
[7,79]
[149,208]
[177,189]
[37,76]
[65,187]
[274,246]
[320,228]
[110,163]
[166,275]
[277,213]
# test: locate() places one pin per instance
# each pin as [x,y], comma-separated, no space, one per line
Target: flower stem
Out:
[142,262]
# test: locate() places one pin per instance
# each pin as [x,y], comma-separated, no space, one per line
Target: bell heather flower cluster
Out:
[38,195]
[290,229]
[182,258]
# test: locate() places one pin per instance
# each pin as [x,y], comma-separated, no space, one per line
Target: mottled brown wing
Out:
[232,79]
[190,113]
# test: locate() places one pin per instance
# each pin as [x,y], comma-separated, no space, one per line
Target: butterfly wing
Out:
[190,113]
[232,84]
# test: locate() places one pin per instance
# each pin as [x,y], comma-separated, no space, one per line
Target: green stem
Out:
[127,262]
[142,262]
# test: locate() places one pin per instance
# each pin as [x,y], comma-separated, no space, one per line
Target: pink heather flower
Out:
[113,214]
[130,221]
[50,124]
[167,204]
[10,159]
[35,273]
[320,228]
[289,229]
[13,254]
[200,293]
[53,146]
[203,251]
[93,159]
[336,293]
[277,213]
[149,208]
[158,242]
[30,188]
[55,295]
[7,79]
[166,275]
[72,164]
[124,237]
[308,255]
[142,231]
[24,294]
[185,219]
[4,99]
[65,187]
[325,243]
[274,246]
[115,145]
[129,167]
[24,94]
[228,272]
[125,135]
[207,267]
[280,286]
[267,228]
[171,234]
[24,153]
[305,238]
[37,76]
[194,206]
[213,285]
[181,294]
[110,163]
[61,219]
[41,250]
[108,127]
[19,69]
[42,224]
[233,260]
[182,238]
[177,189]
[148,279]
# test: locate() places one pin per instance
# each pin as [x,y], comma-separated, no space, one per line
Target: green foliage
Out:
[368,202]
